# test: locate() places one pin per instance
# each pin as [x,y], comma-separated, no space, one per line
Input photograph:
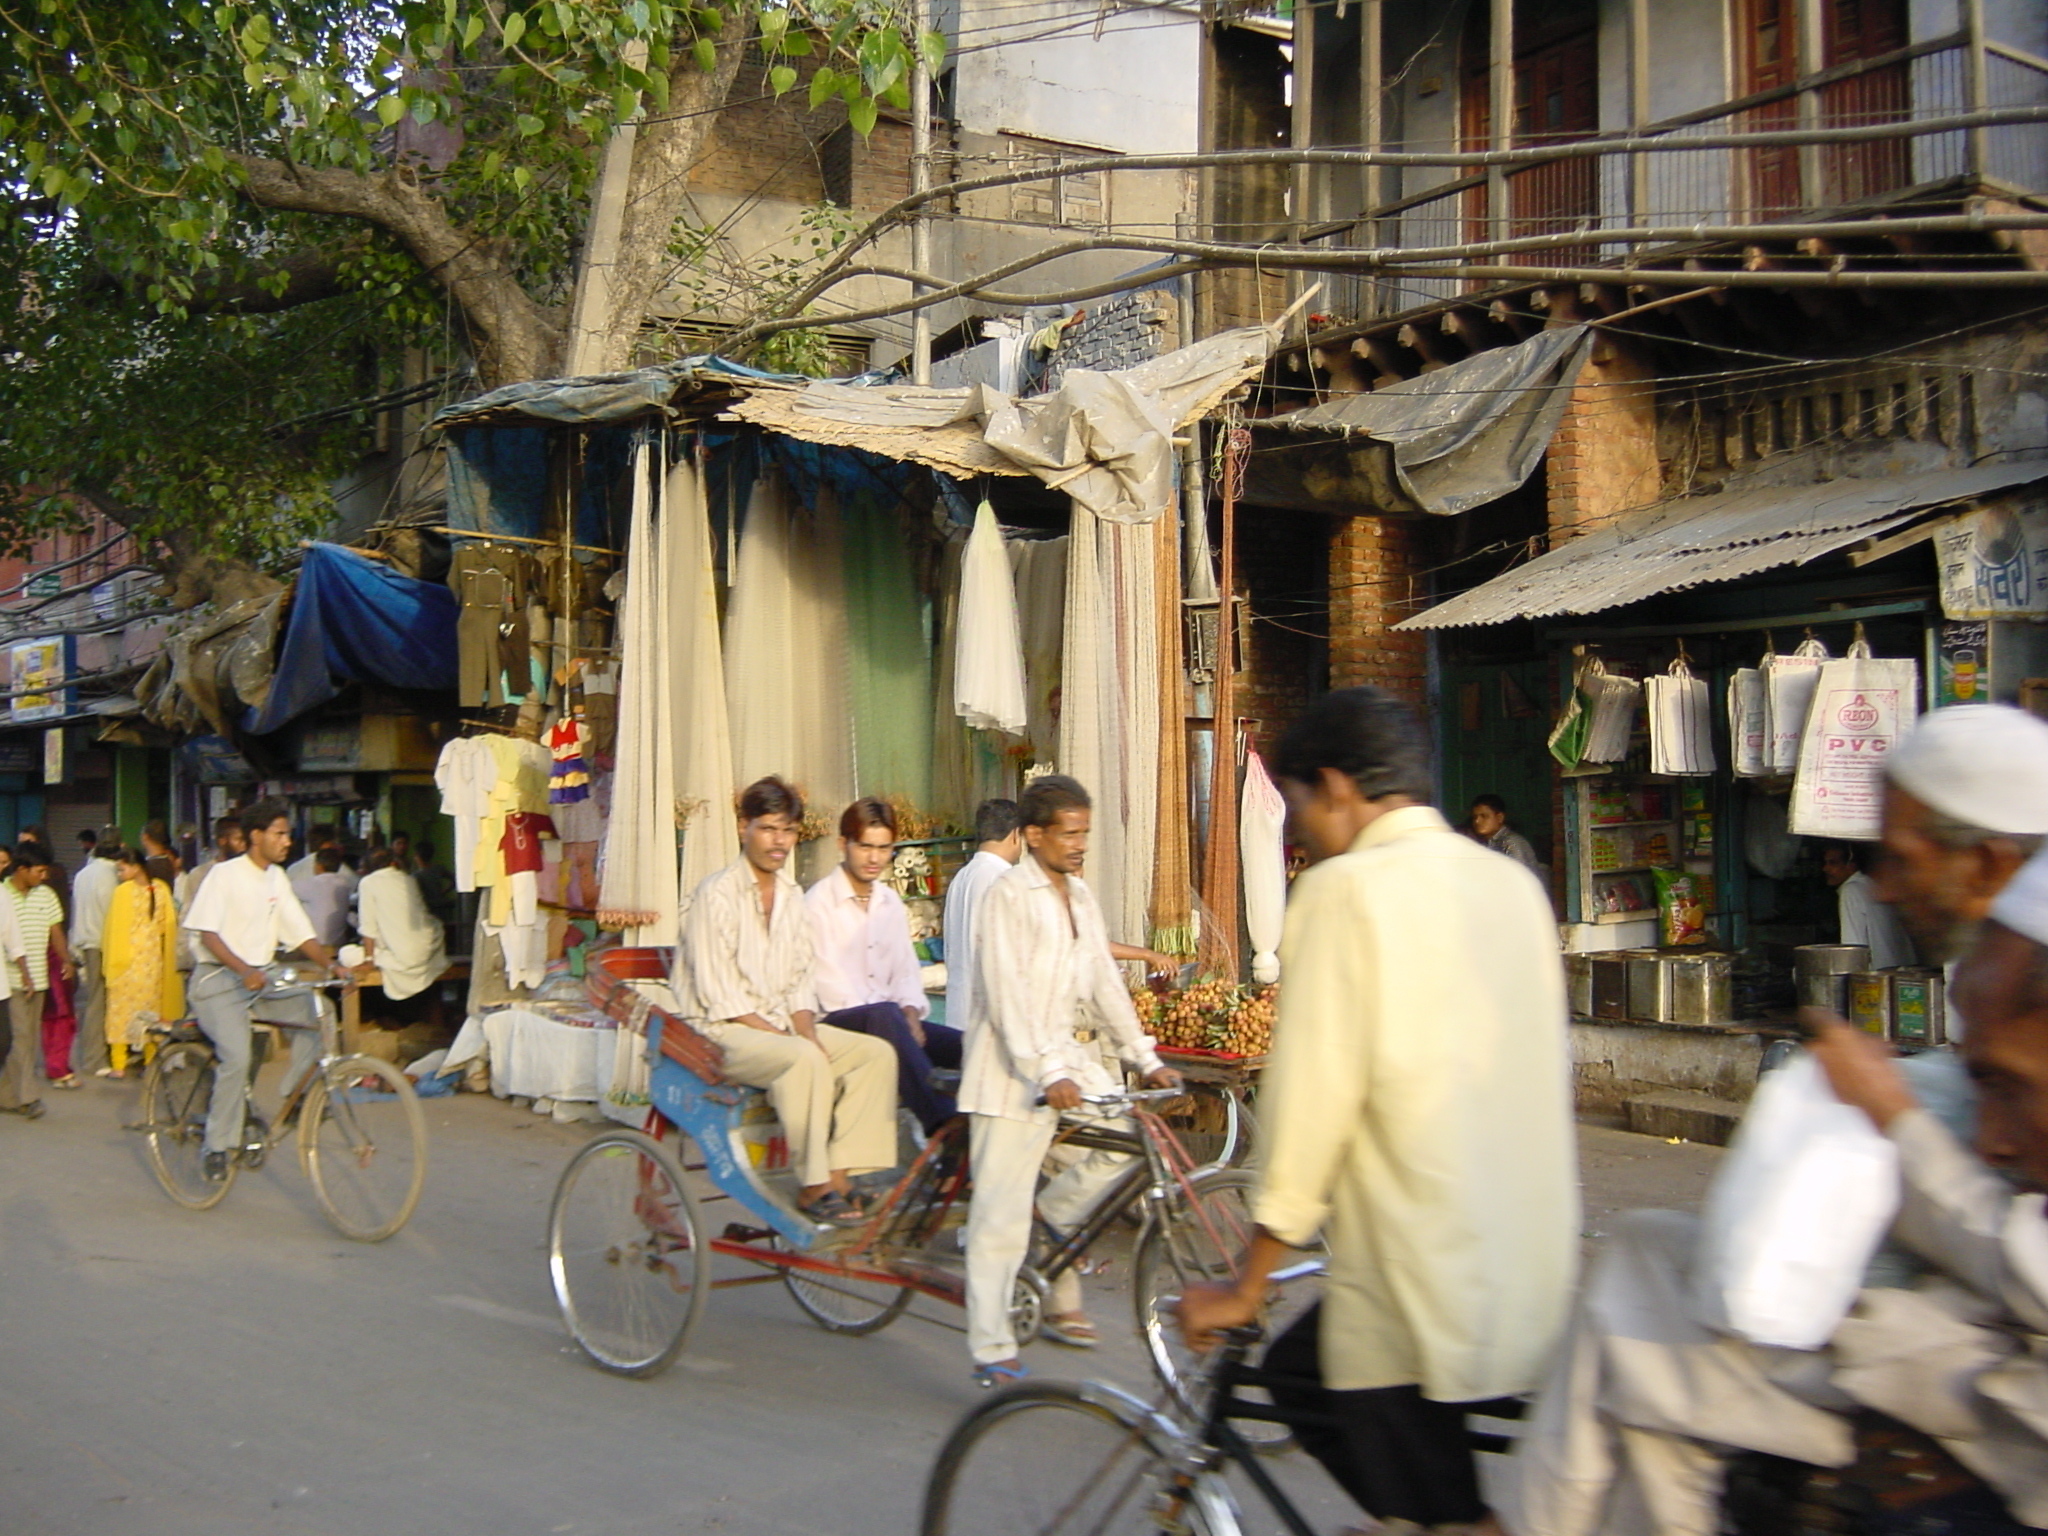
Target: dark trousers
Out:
[914,1062]
[1399,1454]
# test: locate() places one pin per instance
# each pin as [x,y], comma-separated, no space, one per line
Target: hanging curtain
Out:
[640,872]
[1172,916]
[785,649]
[952,783]
[1109,709]
[1039,569]
[888,660]
[988,666]
[1261,830]
[700,731]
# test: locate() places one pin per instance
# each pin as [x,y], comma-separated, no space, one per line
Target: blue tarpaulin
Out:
[356,620]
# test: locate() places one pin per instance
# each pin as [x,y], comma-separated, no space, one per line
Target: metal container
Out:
[1700,989]
[1821,973]
[1649,986]
[1919,1007]
[1578,983]
[1870,1002]
[1610,984]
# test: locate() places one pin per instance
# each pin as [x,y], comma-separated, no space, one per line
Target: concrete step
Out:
[1696,1117]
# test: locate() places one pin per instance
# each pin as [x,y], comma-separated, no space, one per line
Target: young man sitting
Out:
[866,972]
[744,970]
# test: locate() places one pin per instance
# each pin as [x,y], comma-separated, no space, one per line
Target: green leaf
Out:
[706,53]
[773,25]
[824,84]
[390,110]
[473,31]
[797,45]
[521,176]
[933,46]
[781,79]
[529,125]
[862,114]
[515,28]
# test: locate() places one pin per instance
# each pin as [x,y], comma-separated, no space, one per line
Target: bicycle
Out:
[361,1135]
[1054,1459]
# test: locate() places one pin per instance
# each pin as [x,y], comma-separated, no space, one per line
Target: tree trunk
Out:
[665,152]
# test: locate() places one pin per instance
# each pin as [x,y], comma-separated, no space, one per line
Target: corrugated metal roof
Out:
[1694,540]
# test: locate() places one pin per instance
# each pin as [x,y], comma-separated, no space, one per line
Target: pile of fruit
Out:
[1210,1015]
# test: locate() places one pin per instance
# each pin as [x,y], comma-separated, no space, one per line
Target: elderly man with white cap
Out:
[1631,1430]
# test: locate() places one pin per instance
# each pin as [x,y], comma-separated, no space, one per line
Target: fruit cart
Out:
[1215,1033]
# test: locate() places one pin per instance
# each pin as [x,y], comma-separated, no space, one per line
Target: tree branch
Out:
[516,338]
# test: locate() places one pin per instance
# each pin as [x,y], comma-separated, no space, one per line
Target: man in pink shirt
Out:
[865,971]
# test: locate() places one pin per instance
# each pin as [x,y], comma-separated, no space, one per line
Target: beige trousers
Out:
[18,1084]
[837,1105]
[1005,1156]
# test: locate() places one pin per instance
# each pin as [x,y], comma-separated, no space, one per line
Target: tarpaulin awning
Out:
[598,399]
[1106,439]
[1444,442]
[1692,541]
[355,619]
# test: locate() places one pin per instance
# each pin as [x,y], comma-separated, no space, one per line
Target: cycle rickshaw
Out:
[630,1242]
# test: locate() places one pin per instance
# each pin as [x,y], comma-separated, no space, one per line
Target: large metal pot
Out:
[1649,986]
[1821,973]
[1700,989]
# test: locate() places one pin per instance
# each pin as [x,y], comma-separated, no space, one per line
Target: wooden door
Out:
[1556,99]
[1853,30]
[1768,35]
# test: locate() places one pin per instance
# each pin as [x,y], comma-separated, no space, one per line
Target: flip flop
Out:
[834,1209]
[1000,1374]
[1076,1332]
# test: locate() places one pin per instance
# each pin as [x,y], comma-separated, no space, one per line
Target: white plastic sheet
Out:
[1861,706]
[1681,722]
[1796,1210]
[1615,701]
[1261,830]
[988,652]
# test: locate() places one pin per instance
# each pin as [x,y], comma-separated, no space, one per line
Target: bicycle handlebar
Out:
[1126,1096]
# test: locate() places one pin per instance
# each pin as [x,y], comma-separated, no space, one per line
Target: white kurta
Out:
[412,950]
[1417,1111]
[1869,922]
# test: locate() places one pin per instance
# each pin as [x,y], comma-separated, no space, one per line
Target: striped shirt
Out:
[738,959]
[36,912]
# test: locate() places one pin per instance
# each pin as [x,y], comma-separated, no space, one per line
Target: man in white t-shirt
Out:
[325,895]
[91,894]
[999,844]
[1865,918]
[243,915]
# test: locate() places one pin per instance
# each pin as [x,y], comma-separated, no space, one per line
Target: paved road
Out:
[244,1370]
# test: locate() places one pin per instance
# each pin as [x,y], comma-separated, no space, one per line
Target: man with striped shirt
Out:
[40,918]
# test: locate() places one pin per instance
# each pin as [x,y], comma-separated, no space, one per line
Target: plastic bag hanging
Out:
[1615,702]
[1749,739]
[1788,694]
[1681,722]
[1568,737]
[1861,706]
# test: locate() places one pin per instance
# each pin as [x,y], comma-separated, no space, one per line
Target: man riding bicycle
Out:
[243,915]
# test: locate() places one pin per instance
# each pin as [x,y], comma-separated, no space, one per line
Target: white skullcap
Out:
[2023,905]
[1985,764]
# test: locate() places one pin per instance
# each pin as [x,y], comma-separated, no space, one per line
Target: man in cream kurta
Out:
[1416,1111]
[1042,963]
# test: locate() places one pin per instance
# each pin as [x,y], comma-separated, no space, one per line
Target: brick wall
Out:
[1282,563]
[769,147]
[1603,459]
[1372,566]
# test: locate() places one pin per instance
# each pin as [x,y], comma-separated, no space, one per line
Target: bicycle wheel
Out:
[363,1142]
[842,1304]
[626,1253]
[176,1091]
[1201,1246]
[1055,1460]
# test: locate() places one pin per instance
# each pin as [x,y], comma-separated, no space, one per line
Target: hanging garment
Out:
[701,738]
[465,781]
[988,662]
[600,683]
[568,776]
[639,870]
[952,782]
[1262,822]
[1171,916]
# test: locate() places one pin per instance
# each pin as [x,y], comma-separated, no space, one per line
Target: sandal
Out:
[1000,1373]
[68,1080]
[1074,1330]
[835,1209]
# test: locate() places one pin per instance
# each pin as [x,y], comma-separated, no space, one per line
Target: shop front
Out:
[1725,674]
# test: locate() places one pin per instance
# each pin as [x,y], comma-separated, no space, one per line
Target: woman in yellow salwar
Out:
[140,960]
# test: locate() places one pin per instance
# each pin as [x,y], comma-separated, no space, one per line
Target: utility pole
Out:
[920,181]
[591,318]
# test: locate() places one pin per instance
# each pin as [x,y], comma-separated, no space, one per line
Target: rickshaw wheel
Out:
[626,1253]
[840,1304]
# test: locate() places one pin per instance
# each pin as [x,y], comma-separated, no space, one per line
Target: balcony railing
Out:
[1678,183]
